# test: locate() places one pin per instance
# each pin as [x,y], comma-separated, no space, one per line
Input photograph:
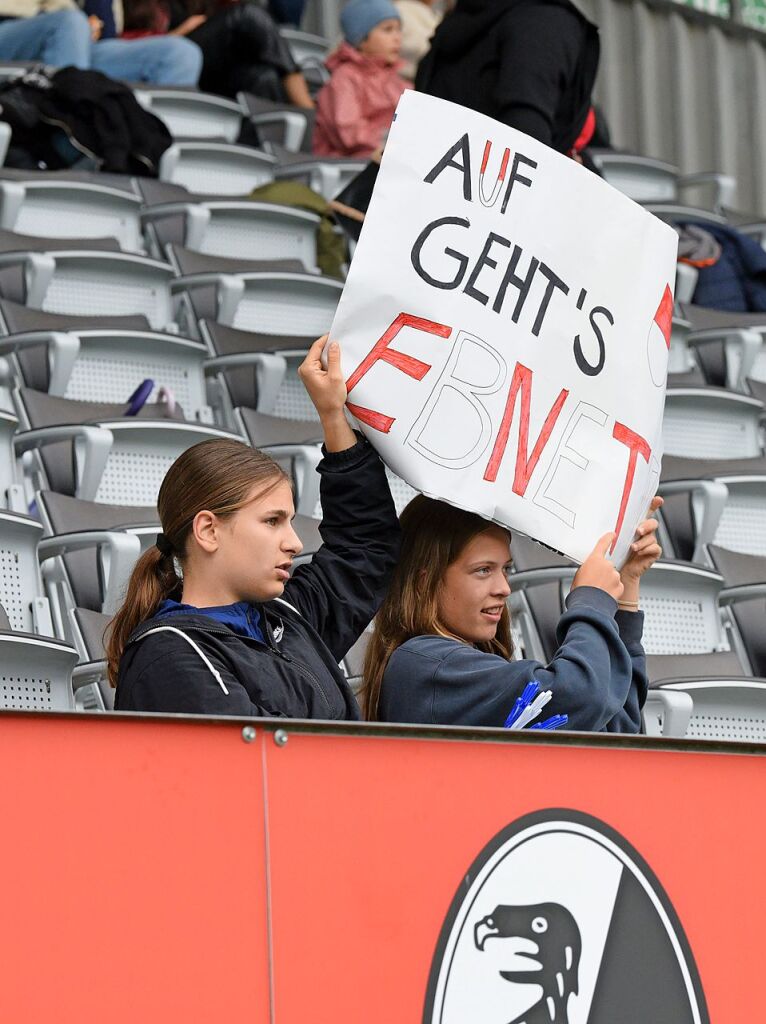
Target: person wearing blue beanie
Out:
[356,107]
[359,17]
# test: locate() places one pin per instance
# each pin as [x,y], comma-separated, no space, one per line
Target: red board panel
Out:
[133,874]
[370,839]
[163,870]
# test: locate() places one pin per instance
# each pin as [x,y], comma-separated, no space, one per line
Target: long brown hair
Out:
[433,536]
[218,475]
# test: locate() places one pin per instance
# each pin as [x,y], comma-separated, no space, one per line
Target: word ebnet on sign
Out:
[505,329]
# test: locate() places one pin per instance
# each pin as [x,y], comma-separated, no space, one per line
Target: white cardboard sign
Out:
[505,329]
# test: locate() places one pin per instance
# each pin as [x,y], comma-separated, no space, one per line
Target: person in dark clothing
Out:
[528,63]
[242,49]
[235,634]
[441,649]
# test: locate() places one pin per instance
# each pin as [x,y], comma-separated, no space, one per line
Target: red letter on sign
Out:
[525,467]
[636,444]
[407,364]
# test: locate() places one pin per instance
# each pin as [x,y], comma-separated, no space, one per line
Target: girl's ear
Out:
[205,530]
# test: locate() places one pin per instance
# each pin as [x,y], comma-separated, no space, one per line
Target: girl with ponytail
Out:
[213,622]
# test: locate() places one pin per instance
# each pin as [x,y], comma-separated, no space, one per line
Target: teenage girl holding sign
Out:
[441,649]
[213,622]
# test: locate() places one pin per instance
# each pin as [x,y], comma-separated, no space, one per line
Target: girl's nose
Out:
[292,543]
[503,588]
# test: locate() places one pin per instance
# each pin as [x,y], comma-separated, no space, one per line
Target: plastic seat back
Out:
[61,209]
[21,591]
[641,178]
[709,424]
[110,284]
[297,304]
[189,114]
[726,709]
[111,364]
[35,673]
[215,168]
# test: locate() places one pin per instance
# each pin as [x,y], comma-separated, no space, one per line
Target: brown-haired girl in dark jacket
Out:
[213,623]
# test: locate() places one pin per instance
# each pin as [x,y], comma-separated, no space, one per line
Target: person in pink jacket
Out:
[354,110]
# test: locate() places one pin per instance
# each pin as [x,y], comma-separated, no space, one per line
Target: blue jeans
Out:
[63,39]
[162,60]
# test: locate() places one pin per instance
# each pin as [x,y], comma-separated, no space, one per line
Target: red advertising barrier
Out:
[175,869]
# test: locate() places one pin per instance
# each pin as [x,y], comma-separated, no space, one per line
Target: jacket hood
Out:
[472,19]
[348,54]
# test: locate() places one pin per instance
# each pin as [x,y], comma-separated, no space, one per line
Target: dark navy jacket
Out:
[597,676]
[326,606]
[737,281]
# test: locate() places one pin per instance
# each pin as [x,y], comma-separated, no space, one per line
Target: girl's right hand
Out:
[597,571]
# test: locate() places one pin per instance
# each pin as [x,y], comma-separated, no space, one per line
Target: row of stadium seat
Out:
[218,315]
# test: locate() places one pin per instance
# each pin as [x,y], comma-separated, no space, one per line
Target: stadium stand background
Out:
[684,83]
[210,312]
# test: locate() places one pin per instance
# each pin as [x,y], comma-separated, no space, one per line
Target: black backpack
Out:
[80,118]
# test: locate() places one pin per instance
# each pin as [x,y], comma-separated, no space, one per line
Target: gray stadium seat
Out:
[647,180]
[711,423]
[268,301]
[21,589]
[326,175]
[241,230]
[11,491]
[81,449]
[60,208]
[108,365]
[189,114]
[279,123]
[258,371]
[216,168]
[724,709]
[90,283]
[35,672]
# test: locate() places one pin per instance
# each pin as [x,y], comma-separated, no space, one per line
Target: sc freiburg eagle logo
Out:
[560,921]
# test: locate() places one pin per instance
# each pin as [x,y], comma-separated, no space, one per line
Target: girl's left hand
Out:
[644,551]
[327,390]
[326,387]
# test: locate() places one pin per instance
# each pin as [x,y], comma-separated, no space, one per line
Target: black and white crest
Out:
[560,921]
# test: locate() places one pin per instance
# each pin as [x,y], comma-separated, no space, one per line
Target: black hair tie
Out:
[163,545]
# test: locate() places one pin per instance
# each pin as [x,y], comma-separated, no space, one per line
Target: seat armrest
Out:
[744,592]
[529,578]
[117,550]
[709,499]
[746,343]
[674,706]
[88,672]
[63,349]
[269,369]
[724,186]
[229,291]
[92,447]
[38,270]
[196,220]
[686,282]
[306,458]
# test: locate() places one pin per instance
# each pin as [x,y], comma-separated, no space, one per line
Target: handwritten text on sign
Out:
[505,329]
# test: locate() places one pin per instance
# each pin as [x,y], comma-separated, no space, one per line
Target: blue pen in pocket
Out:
[554,722]
[522,703]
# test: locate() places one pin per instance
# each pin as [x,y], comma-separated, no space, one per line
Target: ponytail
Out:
[152,581]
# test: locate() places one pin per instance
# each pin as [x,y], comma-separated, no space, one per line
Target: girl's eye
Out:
[272,522]
[483,571]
